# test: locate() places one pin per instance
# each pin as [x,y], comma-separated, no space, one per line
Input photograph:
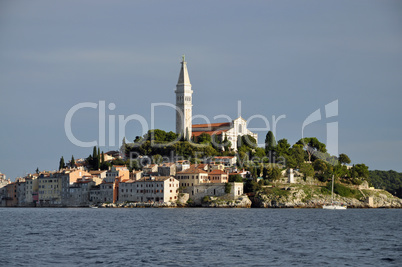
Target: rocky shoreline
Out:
[307,197]
[295,197]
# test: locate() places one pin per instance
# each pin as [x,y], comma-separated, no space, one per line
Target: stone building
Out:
[117,171]
[155,189]
[79,193]
[218,176]
[167,169]
[198,192]
[192,176]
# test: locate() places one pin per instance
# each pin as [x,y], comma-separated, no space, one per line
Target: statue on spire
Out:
[183,57]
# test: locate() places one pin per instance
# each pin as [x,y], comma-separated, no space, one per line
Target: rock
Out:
[298,198]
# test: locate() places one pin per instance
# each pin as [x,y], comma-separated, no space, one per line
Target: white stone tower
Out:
[184,104]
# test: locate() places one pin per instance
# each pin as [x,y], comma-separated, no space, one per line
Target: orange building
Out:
[218,176]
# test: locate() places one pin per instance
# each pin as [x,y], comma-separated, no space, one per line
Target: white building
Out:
[156,189]
[231,130]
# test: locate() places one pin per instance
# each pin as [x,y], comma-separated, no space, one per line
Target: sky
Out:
[284,59]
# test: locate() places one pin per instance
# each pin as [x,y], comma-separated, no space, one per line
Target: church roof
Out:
[219,132]
[183,76]
[212,125]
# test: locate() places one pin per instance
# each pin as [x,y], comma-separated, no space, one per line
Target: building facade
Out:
[154,189]
[218,176]
[230,130]
[192,176]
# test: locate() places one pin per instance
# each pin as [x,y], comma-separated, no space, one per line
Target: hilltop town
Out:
[210,164]
[215,183]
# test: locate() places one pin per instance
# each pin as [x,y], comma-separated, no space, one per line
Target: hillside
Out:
[387,180]
[314,196]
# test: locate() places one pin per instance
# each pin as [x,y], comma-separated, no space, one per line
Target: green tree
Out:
[72,162]
[226,143]
[204,138]
[274,173]
[94,152]
[137,139]
[157,159]
[235,178]
[319,166]
[282,148]
[251,186]
[228,188]
[312,146]
[295,156]
[249,141]
[361,170]
[270,143]
[307,170]
[344,159]
[61,163]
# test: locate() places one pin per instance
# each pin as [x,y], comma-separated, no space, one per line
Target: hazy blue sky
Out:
[278,57]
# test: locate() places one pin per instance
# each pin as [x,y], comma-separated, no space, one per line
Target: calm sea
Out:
[200,237]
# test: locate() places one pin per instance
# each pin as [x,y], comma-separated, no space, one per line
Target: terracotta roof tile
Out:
[219,124]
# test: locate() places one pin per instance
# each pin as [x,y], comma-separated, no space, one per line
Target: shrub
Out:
[205,199]
[235,178]
[356,181]
[228,188]
[343,191]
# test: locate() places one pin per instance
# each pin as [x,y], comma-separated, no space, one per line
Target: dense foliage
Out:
[344,191]
[388,180]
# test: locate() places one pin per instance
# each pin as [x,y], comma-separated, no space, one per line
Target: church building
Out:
[184,126]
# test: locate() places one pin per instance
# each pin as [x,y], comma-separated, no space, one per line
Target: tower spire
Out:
[184,102]
[183,76]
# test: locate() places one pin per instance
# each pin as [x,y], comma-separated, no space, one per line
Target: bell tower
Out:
[184,102]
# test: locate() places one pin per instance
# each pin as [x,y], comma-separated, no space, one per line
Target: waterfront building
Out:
[79,193]
[128,191]
[11,195]
[105,192]
[21,191]
[31,189]
[3,189]
[198,192]
[154,188]
[157,189]
[50,187]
